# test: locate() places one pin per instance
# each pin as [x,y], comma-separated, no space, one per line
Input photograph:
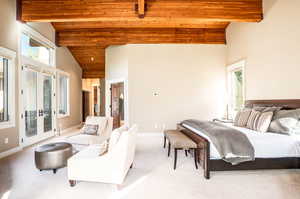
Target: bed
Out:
[272,151]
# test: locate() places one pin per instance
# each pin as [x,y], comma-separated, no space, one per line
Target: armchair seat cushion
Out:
[85,139]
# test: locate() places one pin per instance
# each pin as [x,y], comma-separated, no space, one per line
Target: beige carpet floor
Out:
[152,177]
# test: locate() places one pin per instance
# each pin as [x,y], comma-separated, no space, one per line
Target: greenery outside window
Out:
[236,88]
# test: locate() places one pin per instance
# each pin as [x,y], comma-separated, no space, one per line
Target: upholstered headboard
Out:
[286,104]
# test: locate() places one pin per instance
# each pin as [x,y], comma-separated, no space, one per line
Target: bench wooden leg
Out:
[169,148]
[196,158]
[175,158]
[165,139]
[72,183]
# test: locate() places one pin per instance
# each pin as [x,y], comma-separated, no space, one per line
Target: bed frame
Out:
[259,163]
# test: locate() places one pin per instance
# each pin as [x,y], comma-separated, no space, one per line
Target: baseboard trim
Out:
[10,152]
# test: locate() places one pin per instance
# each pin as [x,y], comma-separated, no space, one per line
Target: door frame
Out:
[126,98]
[40,71]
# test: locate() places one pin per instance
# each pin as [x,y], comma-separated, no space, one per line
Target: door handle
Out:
[41,113]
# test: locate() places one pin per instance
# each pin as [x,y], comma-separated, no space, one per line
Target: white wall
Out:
[66,62]
[116,58]
[189,80]
[116,69]
[272,51]
[8,39]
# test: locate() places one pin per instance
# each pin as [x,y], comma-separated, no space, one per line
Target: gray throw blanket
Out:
[233,146]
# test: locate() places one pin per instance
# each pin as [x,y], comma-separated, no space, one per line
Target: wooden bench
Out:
[179,141]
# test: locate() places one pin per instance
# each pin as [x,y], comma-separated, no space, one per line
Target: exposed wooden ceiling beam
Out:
[93,74]
[145,23]
[124,11]
[141,36]
[141,8]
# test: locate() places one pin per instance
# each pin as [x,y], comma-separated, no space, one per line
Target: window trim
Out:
[231,68]
[58,74]
[11,56]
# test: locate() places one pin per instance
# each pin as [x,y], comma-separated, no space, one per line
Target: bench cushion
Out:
[179,140]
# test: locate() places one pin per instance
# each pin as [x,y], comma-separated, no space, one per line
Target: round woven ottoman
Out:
[52,156]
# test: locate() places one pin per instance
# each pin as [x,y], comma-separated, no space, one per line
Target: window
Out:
[63,95]
[236,88]
[36,47]
[4,116]
[7,88]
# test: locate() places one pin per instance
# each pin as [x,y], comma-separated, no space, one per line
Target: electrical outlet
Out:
[164,126]
[156,126]
[6,140]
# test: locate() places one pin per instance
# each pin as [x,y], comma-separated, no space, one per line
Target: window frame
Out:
[11,56]
[65,74]
[25,29]
[240,65]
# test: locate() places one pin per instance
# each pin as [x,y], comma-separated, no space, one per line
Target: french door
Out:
[38,105]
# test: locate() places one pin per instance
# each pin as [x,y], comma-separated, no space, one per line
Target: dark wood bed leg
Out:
[72,183]
[195,158]
[186,153]
[165,139]
[206,160]
[169,148]
[175,158]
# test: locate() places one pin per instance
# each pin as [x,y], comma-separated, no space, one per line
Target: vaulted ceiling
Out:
[87,27]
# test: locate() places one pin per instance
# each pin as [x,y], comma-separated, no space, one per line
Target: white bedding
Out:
[266,145]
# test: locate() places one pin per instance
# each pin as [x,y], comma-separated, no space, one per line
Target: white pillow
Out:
[286,125]
[114,138]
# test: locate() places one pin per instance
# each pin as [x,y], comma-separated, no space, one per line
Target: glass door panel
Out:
[38,103]
[47,103]
[30,103]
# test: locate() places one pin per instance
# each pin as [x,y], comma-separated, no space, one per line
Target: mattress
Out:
[266,145]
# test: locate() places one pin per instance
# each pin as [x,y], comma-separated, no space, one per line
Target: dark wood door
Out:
[116,106]
[85,104]
[95,89]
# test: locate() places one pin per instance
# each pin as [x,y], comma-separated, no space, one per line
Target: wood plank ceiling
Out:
[87,27]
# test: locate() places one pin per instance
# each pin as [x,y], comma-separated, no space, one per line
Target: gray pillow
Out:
[295,113]
[267,109]
[286,122]
[90,129]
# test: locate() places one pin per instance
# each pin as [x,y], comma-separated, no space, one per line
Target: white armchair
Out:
[103,132]
[112,167]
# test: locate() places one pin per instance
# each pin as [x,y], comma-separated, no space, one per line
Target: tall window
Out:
[236,88]
[7,88]
[63,87]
